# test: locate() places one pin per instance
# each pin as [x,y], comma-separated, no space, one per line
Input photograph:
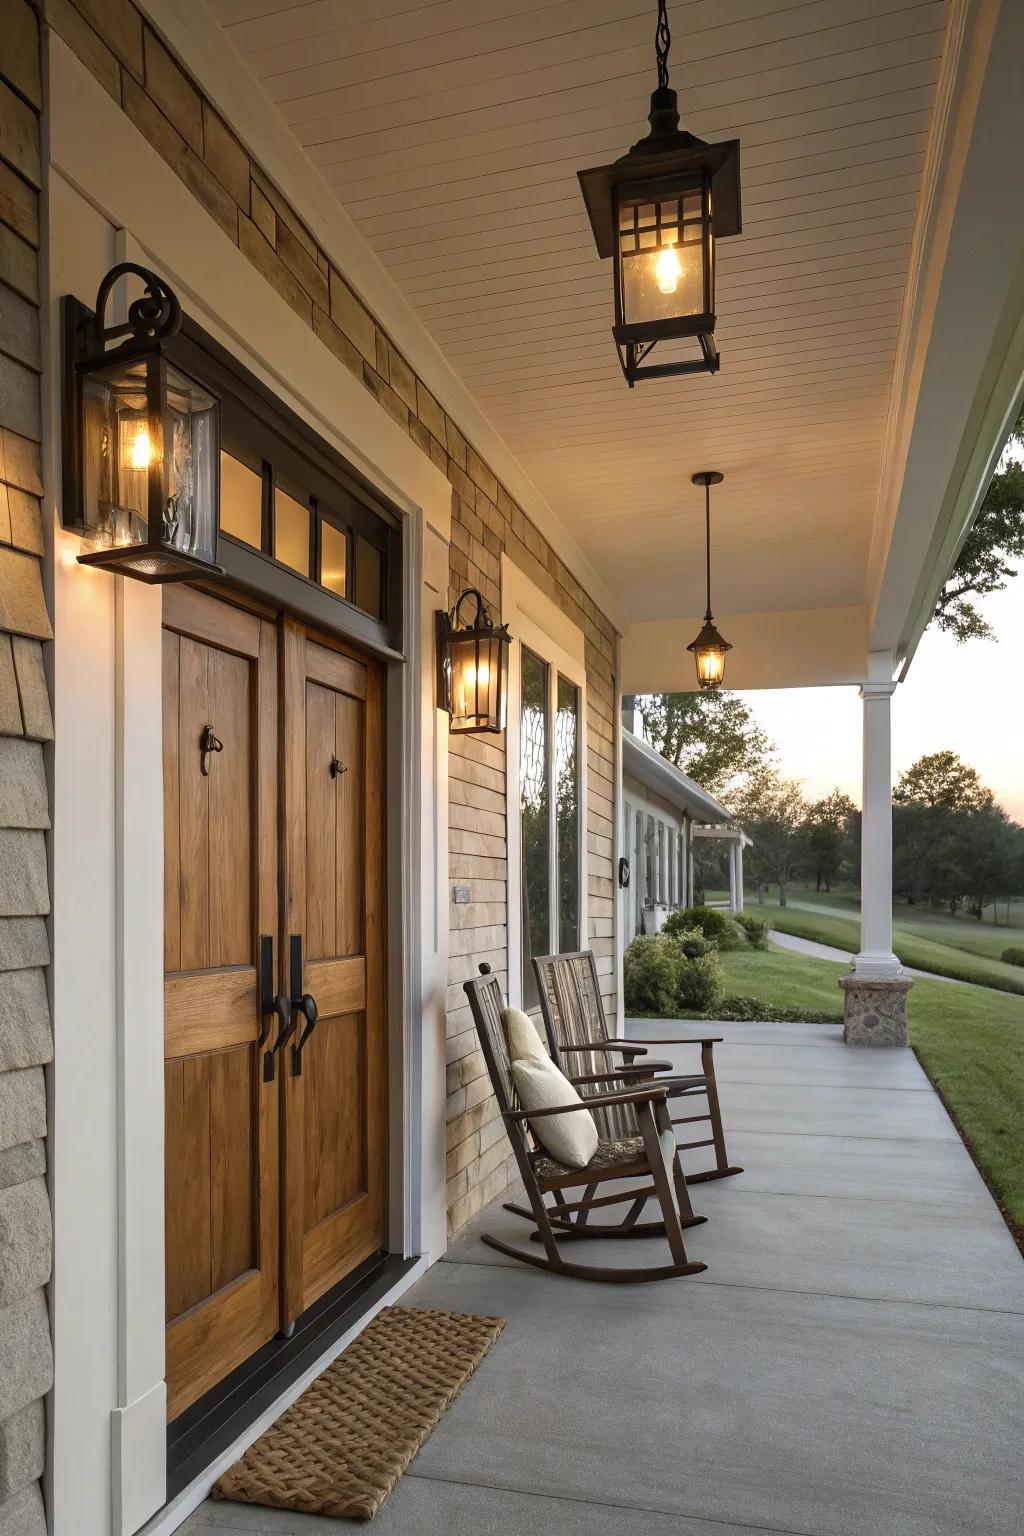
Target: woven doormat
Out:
[342,1446]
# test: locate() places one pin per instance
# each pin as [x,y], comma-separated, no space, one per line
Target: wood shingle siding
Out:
[26,1241]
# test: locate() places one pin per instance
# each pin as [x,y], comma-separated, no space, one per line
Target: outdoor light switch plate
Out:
[460,895]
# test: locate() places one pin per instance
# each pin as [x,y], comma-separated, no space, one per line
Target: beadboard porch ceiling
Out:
[452,130]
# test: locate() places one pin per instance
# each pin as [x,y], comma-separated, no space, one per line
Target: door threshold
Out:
[211,1434]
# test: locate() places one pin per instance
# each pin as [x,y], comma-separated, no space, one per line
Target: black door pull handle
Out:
[307,1007]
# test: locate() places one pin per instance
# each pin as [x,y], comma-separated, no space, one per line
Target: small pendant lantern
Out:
[709,648]
[472,669]
[657,212]
[141,440]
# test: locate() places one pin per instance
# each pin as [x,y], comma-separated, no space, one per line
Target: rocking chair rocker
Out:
[570,1000]
[640,1154]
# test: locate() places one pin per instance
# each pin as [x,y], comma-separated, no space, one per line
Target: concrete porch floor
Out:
[850,1364]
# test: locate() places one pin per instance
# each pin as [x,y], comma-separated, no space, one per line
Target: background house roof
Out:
[640,761]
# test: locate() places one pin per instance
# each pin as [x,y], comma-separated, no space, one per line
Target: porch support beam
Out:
[875,1011]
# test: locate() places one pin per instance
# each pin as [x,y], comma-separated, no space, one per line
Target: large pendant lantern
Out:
[472,669]
[141,440]
[709,648]
[657,212]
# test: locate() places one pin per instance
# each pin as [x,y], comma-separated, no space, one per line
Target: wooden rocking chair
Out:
[570,1000]
[640,1154]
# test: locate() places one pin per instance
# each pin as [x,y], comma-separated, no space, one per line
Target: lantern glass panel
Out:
[710,666]
[661,243]
[192,451]
[117,455]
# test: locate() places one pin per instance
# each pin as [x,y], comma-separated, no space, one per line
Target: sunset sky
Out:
[965,697]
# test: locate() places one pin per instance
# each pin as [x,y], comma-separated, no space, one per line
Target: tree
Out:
[988,856]
[996,538]
[771,810]
[943,781]
[711,736]
[826,838]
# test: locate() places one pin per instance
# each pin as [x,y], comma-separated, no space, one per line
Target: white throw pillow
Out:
[570,1139]
[523,1036]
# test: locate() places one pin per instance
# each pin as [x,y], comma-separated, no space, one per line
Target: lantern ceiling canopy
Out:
[657,212]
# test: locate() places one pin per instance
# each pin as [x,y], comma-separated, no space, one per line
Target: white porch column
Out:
[732,877]
[875,1011]
[739,874]
[876,959]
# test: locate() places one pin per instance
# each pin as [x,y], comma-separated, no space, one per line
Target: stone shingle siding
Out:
[136,69]
[26,1362]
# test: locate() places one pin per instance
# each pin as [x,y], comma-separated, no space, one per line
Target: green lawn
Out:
[970,1041]
[927,943]
[961,931]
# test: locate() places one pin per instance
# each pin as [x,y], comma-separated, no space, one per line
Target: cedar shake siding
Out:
[26,1247]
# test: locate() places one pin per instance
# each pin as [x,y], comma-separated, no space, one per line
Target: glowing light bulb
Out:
[140,452]
[668,270]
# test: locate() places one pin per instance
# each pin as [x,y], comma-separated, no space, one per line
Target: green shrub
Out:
[651,973]
[1013,955]
[693,943]
[702,984]
[736,1007]
[714,924]
[755,928]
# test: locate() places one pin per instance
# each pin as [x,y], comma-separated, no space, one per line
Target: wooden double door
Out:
[274,1003]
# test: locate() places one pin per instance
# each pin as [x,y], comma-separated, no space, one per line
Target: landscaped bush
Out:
[651,969]
[715,925]
[755,928]
[702,984]
[693,943]
[1013,956]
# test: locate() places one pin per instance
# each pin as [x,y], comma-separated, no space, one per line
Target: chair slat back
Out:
[486,1004]
[570,1000]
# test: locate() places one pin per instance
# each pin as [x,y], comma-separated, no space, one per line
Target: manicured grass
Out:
[970,1041]
[912,942]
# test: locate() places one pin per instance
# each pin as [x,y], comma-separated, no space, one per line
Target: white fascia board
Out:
[960,358]
[643,763]
[194,34]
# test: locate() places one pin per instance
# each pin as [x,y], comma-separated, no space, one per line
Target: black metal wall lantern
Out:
[472,669]
[709,648]
[658,211]
[141,440]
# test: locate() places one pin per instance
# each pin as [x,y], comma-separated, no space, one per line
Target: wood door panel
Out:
[335,1126]
[206,1011]
[221,1120]
[335,1164]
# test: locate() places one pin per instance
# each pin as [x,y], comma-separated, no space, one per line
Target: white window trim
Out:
[535,621]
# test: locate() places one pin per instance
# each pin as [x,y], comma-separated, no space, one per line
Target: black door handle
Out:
[271,1006]
[301,1002]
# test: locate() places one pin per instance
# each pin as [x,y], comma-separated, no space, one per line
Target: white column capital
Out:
[871,691]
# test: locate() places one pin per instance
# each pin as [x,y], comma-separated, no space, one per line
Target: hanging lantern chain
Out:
[662,43]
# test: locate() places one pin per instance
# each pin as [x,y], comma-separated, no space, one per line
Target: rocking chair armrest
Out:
[645,1095]
[607,1077]
[690,1040]
[589,1046]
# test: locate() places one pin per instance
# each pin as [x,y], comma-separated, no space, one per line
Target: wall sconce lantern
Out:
[472,669]
[709,648]
[141,440]
[657,211]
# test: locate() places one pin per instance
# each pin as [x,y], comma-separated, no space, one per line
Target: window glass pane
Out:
[369,571]
[536,828]
[291,532]
[241,501]
[567,814]
[333,557]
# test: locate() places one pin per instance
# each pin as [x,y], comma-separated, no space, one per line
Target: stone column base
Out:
[875,1011]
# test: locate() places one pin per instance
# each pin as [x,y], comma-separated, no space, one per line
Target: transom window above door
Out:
[549,806]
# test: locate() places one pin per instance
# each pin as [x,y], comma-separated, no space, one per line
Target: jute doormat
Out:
[342,1446]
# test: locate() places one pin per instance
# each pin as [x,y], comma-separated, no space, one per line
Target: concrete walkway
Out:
[800,946]
[850,1364]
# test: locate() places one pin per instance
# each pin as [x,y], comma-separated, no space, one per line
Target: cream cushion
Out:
[523,1036]
[570,1139]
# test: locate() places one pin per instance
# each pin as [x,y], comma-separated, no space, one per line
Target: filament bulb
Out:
[668,270]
